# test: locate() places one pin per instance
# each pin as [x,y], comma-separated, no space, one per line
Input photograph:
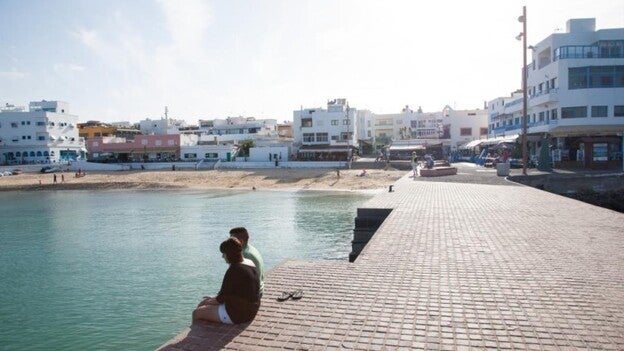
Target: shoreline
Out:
[258,179]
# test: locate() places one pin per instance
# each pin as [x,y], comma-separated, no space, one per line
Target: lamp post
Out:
[523,19]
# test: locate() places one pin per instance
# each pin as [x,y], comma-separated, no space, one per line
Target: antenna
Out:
[166,112]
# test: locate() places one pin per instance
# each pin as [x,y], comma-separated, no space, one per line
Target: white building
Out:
[576,97]
[326,134]
[47,133]
[161,126]
[465,126]
[239,128]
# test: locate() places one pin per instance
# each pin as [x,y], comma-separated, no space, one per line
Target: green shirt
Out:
[253,254]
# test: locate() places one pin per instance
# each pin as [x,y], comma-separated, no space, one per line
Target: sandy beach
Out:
[295,179]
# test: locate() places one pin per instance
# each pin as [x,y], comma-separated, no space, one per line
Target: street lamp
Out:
[523,36]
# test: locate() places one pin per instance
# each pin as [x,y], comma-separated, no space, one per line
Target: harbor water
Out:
[123,270]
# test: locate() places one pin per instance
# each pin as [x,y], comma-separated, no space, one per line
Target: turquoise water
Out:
[118,270]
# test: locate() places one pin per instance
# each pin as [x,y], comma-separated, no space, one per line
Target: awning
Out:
[407,147]
[472,144]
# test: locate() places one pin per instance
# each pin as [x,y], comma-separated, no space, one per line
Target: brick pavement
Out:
[453,267]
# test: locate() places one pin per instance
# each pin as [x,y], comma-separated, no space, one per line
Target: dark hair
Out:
[241,234]
[233,250]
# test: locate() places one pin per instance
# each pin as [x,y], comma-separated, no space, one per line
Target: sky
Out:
[126,60]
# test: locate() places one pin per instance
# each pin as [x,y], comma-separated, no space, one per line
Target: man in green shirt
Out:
[250,252]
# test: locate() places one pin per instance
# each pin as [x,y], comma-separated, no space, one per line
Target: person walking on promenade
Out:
[238,300]
[54,179]
[414,163]
[250,252]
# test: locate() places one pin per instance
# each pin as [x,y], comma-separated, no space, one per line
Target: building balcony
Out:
[545,97]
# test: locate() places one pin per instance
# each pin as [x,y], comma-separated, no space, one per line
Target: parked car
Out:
[17,171]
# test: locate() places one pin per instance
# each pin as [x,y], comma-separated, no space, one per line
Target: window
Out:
[52,153]
[97,134]
[465,131]
[308,137]
[368,133]
[553,113]
[334,137]
[600,77]
[39,154]
[599,111]
[334,122]
[28,137]
[618,111]
[574,112]
[41,123]
[346,122]
[143,141]
[41,137]
[27,123]
[483,131]
[32,154]
[23,137]
[190,155]
[596,77]
[346,136]
[306,122]
[18,154]
[158,143]
[13,124]
[552,83]
[46,154]
[321,137]
[541,116]
[211,155]
[171,142]
[577,78]
[23,123]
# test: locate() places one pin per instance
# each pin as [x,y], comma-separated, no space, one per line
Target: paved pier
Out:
[455,266]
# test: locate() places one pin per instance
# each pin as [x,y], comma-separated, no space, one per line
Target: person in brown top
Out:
[238,301]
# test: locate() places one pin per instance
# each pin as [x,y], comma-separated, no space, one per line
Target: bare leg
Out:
[208,313]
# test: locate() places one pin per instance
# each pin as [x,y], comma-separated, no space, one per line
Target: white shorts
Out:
[223,315]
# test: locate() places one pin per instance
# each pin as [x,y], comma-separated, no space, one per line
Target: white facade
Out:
[465,125]
[364,124]
[242,127]
[334,126]
[47,133]
[199,152]
[269,154]
[575,94]
[161,126]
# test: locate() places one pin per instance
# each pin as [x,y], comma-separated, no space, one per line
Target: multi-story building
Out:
[575,97]
[160,147]
[47,133]
[326,134]
[161,126]
[463,126]
[239,128]
[365,131]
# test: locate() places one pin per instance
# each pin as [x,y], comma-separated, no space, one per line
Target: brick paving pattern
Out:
[453,267]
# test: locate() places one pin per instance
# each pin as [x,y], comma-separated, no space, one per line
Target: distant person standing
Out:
[414,163]
[250,252]
[54,179]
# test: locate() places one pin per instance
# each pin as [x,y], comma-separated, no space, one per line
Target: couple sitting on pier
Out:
[238,300]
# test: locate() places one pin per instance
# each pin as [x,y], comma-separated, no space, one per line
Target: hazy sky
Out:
[125,60]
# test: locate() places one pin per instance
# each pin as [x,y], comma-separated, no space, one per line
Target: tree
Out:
[244,146]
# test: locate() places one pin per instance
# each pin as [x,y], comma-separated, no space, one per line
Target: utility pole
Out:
[525,73]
